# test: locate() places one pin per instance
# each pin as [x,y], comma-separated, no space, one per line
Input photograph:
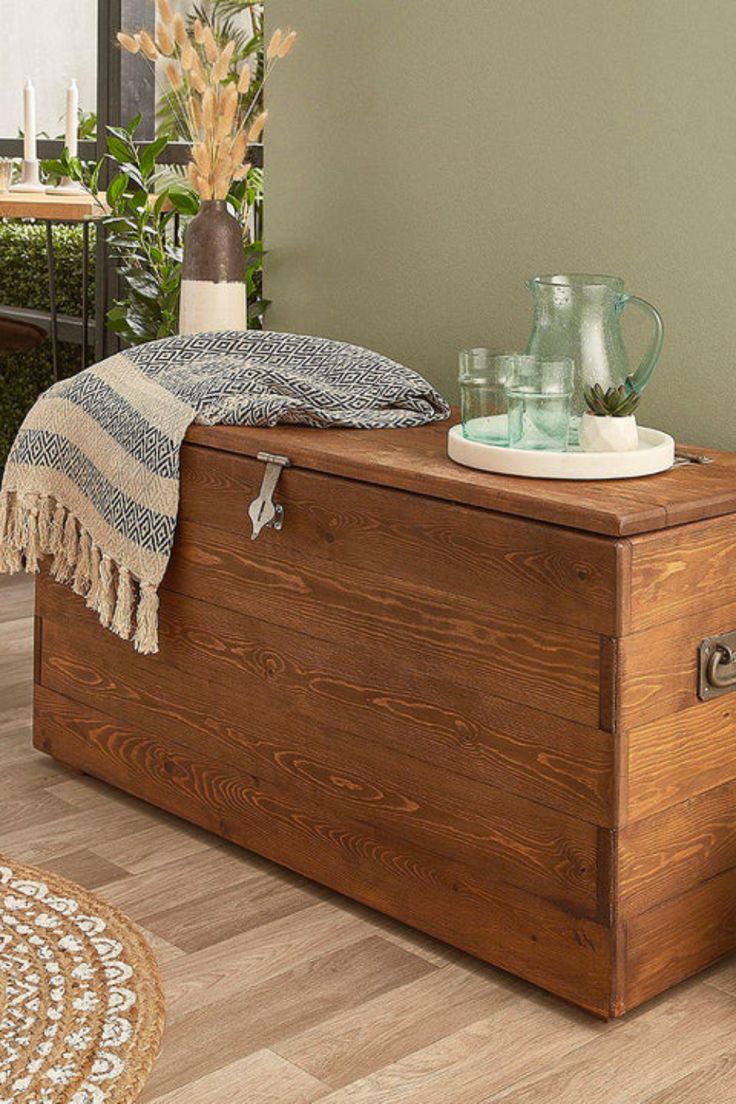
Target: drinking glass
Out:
[539,398]
[484,376]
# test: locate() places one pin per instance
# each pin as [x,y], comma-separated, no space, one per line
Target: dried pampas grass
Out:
[128,42]
[173,75]
[214,96]
[180,29]
[164,39]
[148,46]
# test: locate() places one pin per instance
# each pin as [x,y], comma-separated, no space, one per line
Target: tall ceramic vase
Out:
[213,272]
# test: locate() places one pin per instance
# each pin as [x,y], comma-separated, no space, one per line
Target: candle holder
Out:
[67,187]
[29,179]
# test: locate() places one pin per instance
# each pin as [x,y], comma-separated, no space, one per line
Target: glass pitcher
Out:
[578,316]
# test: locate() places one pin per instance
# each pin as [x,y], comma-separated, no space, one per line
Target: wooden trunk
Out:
[466,700]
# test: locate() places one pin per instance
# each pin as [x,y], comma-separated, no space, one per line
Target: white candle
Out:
[29,122]
[72,113]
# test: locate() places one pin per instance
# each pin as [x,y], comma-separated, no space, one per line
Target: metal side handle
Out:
[717,666]
[263,511]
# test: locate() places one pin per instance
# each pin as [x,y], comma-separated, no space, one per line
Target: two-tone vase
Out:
[213,295]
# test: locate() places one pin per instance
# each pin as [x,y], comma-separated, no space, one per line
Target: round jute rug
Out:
[81,1008]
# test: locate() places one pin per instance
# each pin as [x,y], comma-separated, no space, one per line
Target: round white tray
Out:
[656,453]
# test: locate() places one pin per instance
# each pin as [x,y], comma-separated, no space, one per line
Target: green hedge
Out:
[24,283]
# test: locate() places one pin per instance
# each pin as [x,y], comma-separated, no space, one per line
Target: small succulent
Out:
[616,402]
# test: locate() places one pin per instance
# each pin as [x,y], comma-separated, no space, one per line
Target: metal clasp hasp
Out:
[263,511]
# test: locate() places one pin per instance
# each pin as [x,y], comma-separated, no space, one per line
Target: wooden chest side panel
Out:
[533,568]
[659,666]
[505,837]
[664,855]
[540,664]
[676,757]
[683,571]
[511,928]
[678,938]
[549,760]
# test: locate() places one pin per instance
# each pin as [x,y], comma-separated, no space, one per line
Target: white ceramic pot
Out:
[600,434]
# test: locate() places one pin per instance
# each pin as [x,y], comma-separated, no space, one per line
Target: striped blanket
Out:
[93,476]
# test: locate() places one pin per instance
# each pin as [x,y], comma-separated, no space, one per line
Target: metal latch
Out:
[263,511]
[717,666]
[686,456]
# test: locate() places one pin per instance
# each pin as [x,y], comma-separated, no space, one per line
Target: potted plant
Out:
[214,103]
[609,425]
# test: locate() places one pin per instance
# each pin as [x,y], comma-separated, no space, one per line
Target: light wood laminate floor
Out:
[280,992]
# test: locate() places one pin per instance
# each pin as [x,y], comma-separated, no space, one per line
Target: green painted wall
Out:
[425,156]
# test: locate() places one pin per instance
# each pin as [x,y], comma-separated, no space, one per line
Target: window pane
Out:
[50,45]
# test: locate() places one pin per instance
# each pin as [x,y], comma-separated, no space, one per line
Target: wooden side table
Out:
[52,209]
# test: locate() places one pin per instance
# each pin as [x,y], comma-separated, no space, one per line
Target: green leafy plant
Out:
[615,402]
[139,232]
[143,204]
[24,283]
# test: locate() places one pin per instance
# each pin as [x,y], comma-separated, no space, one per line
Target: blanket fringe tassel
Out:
[33,526]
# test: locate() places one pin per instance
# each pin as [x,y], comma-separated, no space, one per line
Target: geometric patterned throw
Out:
[93,476]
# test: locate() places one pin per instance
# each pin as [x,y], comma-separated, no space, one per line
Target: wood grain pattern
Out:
[666,854]
[41,205]
[458,729]
[659,666]
[679,937]
[678,756]
[344,1047]
[463,1032]
[416,460]
[628,1065]
[537,663]
[487,829]
[537,939]
[533,568]
[682,572]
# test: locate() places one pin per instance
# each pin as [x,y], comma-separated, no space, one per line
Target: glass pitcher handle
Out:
[640,378]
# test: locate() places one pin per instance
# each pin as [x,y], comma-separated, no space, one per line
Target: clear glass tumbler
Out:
[484,378]
[539,399]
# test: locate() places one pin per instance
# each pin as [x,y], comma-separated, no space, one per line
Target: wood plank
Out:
[261,1078]
[350,1045]
[560,575]
[503,924]
[666,854]
[682,572]
[679,937]
[416,460]
[488,1056]
[626,1065]
[212,975]
[86,867]
[534,662]
[713,1082]
[459,729]
[483,827]
[675,757]
[197,924]
[44,205]
[301,996]
[16,596]
[659,666]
